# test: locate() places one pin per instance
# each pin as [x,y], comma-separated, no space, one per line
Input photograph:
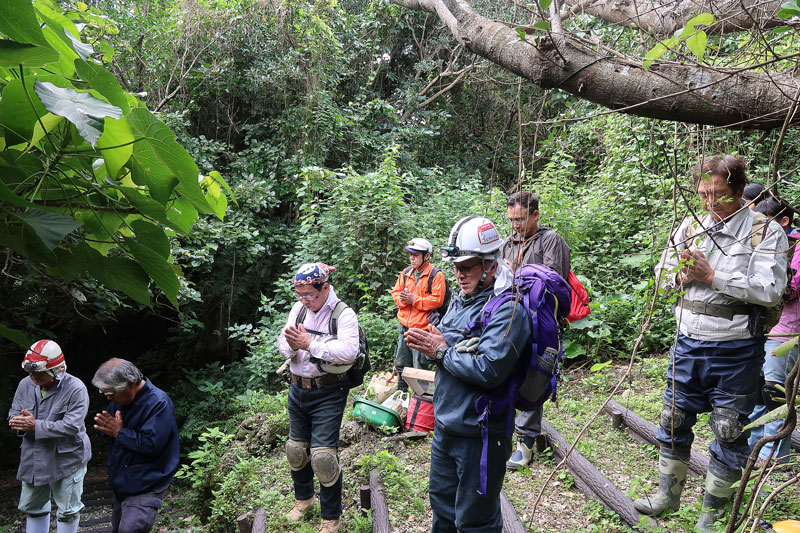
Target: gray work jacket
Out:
[58,446]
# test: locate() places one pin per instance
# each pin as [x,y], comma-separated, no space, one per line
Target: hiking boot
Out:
[672,468]
[718,492]
[329,526]
[301,507]
[523,455]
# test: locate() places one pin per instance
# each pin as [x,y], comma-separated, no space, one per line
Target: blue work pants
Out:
[315,416]
[455,480]
[708,375]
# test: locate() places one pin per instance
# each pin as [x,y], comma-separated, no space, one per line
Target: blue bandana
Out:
[313,273]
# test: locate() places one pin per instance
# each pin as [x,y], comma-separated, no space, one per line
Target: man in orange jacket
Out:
[416,298]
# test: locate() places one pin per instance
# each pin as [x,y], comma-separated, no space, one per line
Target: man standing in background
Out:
[531,244]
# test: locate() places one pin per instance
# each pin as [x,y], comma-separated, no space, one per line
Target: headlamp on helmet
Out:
[44,356]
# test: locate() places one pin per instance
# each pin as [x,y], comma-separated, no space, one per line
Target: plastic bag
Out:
[381,386]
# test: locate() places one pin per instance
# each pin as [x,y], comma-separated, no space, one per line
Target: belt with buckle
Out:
[721,311]
[318,382]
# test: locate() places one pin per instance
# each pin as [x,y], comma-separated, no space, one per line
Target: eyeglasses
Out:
[107,394]
[306,297]
[521,220]
[464,270]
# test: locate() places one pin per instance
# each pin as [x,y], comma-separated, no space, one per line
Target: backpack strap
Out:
[333,320]
[406,272]
[759,229]
[432,275]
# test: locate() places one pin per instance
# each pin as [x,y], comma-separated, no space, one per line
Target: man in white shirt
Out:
[321,342]
[728,276]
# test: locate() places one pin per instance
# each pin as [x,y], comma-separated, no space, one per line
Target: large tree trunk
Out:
[668,90]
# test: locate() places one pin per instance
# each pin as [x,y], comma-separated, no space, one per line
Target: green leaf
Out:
[542,25]
[147,206]
[49,121]
[182,216]
[788,13]
[7,195]
[50,227]
[116,144]
[521,34]
[785,348]
[84,50]
[151,236]
[544,4]
[159,147]
[18,22]
[103,82]
[655,53]
[697,44]
[20,338]
[218,178]
[705,19]
[599,366]
[13,53]
[17,115]
[82,109]
[157,268]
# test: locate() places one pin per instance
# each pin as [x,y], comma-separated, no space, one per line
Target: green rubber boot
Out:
[718,493]
[672,468]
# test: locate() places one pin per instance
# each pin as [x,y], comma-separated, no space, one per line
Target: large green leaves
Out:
[50,227]
[29,55]
[82,109]
[18,22]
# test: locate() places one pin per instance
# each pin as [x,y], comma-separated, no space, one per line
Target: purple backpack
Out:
[545,296]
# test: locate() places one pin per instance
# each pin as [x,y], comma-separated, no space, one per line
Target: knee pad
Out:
[727,427]
[325,463]
[772,396]
[297,454]
[674,420]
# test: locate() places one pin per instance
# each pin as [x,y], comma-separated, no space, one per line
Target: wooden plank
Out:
[418,379]
[645,432]
[511,521]
[590,480]
[380,509]
[414,435]
[364,495]
[260,521]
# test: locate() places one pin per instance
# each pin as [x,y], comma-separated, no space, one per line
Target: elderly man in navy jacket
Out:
[145,453]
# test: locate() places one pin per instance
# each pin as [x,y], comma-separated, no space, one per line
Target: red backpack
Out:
[579,306]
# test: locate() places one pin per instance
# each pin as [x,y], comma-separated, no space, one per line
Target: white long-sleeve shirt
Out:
[742,274]
[340,349]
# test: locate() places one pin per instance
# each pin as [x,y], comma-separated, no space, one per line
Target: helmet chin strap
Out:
[479,287]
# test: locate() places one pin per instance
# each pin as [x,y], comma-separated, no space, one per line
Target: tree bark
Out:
[380,510]
[591,481]
[745,99]
[511,522]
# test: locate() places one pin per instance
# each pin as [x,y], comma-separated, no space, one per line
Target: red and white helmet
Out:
[44,356]
[472,236]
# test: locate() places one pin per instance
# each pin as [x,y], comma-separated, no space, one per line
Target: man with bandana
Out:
[48,413]
[321,341]
[468,454]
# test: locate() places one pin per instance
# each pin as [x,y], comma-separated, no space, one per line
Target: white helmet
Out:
[419,245]
[472,236]
[44,356]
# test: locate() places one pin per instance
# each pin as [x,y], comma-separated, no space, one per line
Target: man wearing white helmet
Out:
[318,361]
[419,291]
[472,360]
[48,413]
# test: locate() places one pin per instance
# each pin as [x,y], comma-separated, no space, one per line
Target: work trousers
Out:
[455,480]
[315,416]
[709,375]
[67,491]
[137,513]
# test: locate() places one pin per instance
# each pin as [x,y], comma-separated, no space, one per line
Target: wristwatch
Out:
[438,355]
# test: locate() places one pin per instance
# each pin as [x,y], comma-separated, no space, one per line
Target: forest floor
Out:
[546,501]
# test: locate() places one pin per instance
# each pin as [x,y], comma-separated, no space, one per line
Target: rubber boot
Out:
[68,527]
[672,468]
[718,493]
[523,455]
[37,524]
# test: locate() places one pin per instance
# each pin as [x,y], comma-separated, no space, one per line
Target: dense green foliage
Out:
[319,116]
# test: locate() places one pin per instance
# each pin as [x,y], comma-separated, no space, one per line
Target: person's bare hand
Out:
[696,267]
[425,342]
[110,425]
[407,297]
[23,421]
[297,337]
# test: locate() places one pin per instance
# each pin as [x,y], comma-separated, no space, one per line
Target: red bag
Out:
[579,308]
[420,414]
